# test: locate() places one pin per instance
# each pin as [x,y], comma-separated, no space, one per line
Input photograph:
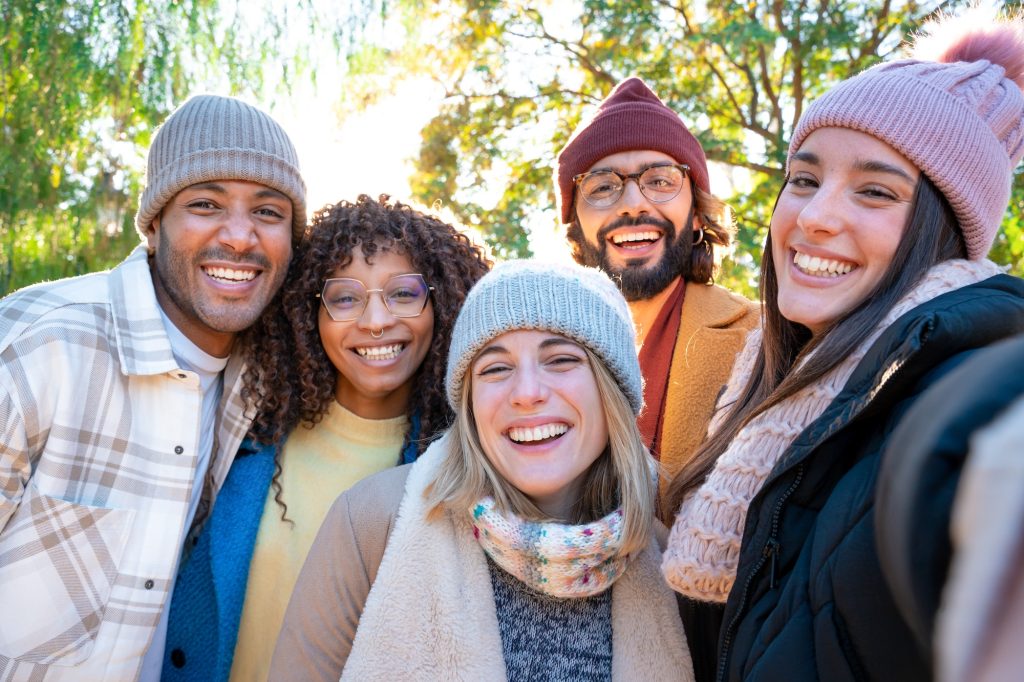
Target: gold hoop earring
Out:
[380,333]
[700,239]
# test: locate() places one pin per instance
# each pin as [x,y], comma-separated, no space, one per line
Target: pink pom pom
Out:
[974,35]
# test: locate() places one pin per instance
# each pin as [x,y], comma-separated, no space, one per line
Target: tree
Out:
[518,77]
[83,84]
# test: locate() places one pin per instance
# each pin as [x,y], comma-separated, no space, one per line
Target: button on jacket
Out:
[99,429]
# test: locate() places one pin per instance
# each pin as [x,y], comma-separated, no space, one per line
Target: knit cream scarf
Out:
[558,559]
[704,545]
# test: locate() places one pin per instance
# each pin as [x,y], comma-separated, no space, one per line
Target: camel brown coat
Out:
[713,325]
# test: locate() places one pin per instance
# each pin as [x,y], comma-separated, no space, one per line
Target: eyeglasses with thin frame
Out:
[346,298]
[659,184]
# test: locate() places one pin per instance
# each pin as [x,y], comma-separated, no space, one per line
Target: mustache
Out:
[635,221]
[257,259]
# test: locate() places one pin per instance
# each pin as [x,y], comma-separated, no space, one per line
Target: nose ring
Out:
[380,333]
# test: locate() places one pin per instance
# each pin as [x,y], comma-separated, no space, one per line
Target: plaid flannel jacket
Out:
[98,436]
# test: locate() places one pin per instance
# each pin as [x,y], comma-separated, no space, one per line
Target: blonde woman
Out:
[522,543]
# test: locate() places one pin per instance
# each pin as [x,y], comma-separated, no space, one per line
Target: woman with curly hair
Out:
[348,374]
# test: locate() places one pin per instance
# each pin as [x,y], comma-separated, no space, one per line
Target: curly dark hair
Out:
[290,379]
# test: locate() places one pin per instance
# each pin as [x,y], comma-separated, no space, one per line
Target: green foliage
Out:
[1009,246]
[520,75]
[83,83]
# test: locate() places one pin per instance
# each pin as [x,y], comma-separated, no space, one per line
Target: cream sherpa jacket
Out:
[425,610]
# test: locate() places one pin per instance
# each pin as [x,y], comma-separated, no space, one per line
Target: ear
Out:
[151,238]
[697,223]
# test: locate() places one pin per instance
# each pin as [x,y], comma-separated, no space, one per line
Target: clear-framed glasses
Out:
[659,184]
[345,298]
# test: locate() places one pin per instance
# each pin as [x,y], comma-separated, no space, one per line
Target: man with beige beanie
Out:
[120,398]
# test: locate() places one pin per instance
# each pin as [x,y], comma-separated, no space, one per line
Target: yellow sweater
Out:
[318,464]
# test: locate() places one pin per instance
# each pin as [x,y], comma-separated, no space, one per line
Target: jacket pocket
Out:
[58,563]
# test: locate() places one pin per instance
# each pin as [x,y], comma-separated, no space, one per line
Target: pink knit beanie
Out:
[631,118]
[955,110]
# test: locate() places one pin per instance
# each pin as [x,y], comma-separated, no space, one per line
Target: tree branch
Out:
[577,50]
[796,52]
[869,47]
[766,83]
[681,10]
[722,156]
[728,91]
[749,122]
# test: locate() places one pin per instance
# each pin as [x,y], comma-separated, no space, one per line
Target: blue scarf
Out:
[411,451]
[206,607]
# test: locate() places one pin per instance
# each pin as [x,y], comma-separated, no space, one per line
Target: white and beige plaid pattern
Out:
[98,436]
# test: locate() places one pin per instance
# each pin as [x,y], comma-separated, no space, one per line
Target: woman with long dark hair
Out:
[875,283]
[349,380]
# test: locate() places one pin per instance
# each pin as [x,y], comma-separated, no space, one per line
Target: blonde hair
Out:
[623,475]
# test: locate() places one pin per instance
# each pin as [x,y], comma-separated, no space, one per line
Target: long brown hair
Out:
[289,374]
[931,235]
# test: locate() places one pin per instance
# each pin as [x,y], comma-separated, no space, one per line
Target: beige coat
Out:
[425,609]
[713,325]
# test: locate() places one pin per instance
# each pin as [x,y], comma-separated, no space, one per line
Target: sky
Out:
[372,151]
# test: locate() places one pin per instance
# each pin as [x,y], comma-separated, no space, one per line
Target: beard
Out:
[636,282]
[177,269]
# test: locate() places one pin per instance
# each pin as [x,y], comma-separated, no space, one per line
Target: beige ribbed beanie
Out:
[210,137]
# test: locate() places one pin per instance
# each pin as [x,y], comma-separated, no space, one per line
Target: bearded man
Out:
[121,402]
[635,197]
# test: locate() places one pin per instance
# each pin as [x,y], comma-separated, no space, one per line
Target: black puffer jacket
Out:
[919,483]
[810,601]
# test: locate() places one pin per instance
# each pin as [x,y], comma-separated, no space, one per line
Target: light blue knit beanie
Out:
[579,303]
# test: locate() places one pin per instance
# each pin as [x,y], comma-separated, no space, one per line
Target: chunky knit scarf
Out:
[704,545]
[431,615]
[554,558]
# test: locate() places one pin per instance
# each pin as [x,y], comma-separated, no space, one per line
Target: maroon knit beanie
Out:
[631,118]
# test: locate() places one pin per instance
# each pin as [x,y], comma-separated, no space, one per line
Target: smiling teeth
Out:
[821,267]
[381,352]
[649,236]
[231,275]
[528,434]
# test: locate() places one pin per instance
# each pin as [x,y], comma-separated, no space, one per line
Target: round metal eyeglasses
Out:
[660,183]
[345,298]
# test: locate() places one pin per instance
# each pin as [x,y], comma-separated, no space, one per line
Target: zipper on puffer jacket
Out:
[769,552]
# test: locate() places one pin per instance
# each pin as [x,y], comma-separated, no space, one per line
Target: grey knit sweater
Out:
[546,638]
